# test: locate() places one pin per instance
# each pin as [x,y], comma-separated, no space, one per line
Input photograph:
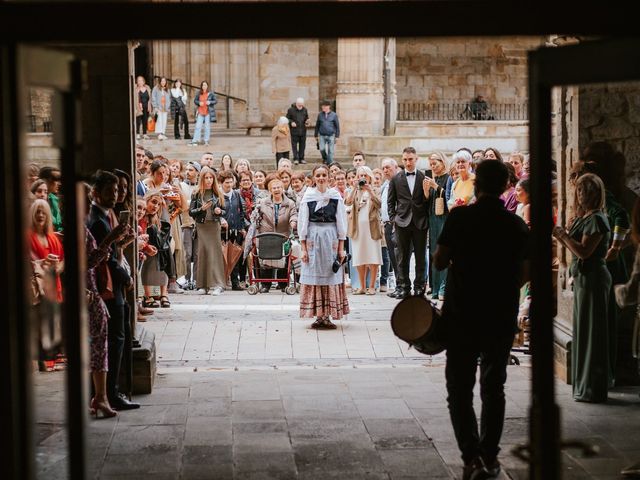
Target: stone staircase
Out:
[257,149]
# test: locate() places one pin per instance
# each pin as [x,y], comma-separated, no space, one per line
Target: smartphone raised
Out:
[123,217]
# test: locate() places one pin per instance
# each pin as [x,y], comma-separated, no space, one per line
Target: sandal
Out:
[164,302]
[371,291]
[358,291]
[149,302]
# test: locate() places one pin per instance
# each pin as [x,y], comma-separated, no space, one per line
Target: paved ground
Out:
[245,391]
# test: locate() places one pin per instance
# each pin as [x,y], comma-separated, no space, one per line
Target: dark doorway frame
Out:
[31,22]
[607,61]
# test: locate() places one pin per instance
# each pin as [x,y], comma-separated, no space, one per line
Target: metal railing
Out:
[451,111]
[39,124]
[227,98]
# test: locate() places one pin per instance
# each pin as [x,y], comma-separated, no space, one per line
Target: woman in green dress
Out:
[588,240]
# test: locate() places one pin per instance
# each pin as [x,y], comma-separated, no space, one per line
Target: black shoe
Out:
[264,290]
[122,403]
[394,293]
[236,288]
[492,468]
[177,137]
[187,136]
[474,470]
[419,292]
[402,294]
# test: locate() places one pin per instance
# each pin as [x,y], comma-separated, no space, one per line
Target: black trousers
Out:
[460,372]
[406,237]
[298,144]
[390,238]
[181,117]
[141,120]
[115,341]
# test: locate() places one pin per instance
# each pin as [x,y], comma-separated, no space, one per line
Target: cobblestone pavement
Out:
[245,391]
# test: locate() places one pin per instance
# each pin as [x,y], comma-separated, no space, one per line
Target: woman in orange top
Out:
[205,113]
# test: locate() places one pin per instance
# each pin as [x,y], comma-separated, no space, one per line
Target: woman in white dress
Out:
[365,230]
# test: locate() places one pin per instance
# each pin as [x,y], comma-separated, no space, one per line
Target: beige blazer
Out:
[353,200]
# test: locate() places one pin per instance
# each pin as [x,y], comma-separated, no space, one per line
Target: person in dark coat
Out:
[234,221]
[105,193]
[409,214]
[298,121]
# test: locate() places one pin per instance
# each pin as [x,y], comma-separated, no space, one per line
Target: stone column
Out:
[360,98]
[253,76]
[390,92]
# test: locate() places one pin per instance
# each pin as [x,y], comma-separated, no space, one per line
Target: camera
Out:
[362,183]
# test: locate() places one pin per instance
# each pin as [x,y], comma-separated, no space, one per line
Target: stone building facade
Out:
[269,74]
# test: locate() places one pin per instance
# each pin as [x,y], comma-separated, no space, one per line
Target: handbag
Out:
[439,207]
[151,124]
[104,281]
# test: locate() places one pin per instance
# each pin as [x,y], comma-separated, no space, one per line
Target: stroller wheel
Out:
[290,290]
[252,289]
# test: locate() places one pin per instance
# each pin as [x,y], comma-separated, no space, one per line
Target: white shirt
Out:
[411,180]
[384,208]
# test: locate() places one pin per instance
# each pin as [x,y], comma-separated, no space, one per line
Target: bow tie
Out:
[410,173]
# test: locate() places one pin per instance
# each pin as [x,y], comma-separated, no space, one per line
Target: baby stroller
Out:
[271,251]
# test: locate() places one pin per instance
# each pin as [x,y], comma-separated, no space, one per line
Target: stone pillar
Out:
[360,98]
[390,92]
[253,76]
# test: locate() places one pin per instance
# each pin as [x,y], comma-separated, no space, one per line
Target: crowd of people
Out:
[358,226]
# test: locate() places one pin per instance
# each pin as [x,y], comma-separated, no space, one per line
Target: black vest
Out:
[326,214]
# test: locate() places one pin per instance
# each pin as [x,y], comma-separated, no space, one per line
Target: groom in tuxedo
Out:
[408,212]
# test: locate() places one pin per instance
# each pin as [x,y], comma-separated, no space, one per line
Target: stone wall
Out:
[328,68]
[283,70]
[612,113]
[288,70]
[458,69]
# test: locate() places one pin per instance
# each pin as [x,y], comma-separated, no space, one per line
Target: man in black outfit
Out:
[480,312]
[298,120]
[409,214]
[105,193]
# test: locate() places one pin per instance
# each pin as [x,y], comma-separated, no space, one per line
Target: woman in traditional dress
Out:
[322,227]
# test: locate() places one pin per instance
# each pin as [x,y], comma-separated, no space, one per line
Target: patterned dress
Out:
[98,313]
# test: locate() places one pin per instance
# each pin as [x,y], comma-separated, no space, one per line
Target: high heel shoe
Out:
[104,408]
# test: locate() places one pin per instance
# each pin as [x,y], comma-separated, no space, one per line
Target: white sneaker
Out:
[145,136]
[161,137]
[383,288]
[201,291]
[192,144]
[138,136]
[216,291]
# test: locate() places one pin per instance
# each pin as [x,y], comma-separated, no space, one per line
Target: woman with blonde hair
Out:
[142,101]
[365,230]
[281,139]
[153,272]
[588,240]
[435,189]
[207,208]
